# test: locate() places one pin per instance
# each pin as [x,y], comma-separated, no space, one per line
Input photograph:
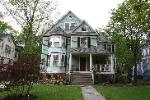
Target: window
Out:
[84,42]
[7,49]
[62,60]
[104,46]
[56,44]
[49,43]
[66,26]
[68,41]
[70,16]
[63,42]
[109,48]
[69,26]
[1,60]
[83,28]
[72,26]
[55,60]
[49,60]
[2,44]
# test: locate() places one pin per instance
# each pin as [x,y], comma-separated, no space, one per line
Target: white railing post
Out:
[70,65]
[91,62]
[111,63]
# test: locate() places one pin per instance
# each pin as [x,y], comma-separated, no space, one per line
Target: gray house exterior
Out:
[144,65]
[7,49]
[71,45]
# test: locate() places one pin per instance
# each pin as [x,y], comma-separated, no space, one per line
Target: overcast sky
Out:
[95,12]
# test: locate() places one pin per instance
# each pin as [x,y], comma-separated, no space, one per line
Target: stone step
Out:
[89,83]
[82,76]
[81,79]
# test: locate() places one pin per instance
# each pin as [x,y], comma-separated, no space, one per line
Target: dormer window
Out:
[66,26]
[72,26]
[69,26]
[83,28]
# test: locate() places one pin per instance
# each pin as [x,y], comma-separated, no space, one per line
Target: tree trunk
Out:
[135,69]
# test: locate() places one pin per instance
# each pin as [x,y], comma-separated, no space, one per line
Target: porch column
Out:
[111,63]
[91,62]
[70,62]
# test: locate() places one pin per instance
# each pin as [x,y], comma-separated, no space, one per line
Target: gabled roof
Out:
[69,12]
[102,38]
[84,22]
[57,30]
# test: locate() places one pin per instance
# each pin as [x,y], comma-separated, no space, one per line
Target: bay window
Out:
[55,60]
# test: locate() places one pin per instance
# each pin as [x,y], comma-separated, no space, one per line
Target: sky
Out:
[96,12]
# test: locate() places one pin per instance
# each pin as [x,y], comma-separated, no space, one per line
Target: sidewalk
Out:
[89,93]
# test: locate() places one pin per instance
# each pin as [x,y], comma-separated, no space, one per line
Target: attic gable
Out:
[83,27]
[70,17]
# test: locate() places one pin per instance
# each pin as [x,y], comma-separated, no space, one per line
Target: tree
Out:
[32,15]
[130,21]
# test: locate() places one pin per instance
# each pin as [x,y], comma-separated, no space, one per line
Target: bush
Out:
[122,79]
[55,78]
[20,75]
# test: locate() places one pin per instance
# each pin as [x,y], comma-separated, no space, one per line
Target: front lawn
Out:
[124,93]
[44,92]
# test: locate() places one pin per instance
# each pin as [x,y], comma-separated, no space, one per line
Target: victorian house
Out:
[72,46]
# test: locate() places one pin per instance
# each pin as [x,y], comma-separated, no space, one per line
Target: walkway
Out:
[89,93]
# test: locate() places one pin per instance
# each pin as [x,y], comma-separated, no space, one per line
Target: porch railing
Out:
[103,67]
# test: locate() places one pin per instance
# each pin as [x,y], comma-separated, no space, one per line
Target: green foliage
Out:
[128,24]
[124,54]
[4,27]
[34,16]
[125,93]
[46,92]
[30,50]
[34,45]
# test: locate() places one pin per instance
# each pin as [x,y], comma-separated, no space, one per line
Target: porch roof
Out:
[88,50]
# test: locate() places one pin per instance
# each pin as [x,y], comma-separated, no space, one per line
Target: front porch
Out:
[83,63]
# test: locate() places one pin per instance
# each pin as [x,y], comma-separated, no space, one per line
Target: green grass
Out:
[124,93]
[44,92]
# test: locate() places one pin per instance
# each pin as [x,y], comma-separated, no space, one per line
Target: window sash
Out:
[66,26]
[84,42]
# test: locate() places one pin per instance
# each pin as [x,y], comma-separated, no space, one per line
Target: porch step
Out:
[81,79]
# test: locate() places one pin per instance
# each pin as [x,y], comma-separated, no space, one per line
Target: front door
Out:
[82,63]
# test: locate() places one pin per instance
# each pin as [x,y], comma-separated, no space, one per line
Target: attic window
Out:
[70,16]
[83,29]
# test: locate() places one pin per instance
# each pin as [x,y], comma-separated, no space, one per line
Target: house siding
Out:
[7,41]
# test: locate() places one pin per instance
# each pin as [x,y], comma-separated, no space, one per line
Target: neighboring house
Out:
[7,49]
[71,45]
[144,65]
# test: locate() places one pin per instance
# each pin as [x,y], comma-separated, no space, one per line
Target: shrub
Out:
[122,79]
[20,75]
